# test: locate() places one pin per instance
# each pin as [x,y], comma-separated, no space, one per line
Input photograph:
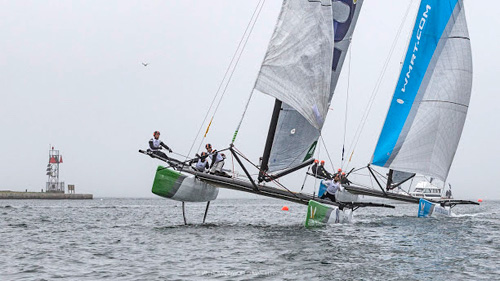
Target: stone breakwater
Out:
[42,195]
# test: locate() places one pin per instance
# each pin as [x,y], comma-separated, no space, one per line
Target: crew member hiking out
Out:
[217,160]
[156,145]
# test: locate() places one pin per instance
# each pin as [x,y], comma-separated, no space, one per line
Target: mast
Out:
[270,138]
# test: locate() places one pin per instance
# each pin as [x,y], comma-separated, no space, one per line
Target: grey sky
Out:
[71,76]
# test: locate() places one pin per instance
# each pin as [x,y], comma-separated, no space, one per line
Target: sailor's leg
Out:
[213,169]
[218,168]
[160,154]
[206,211]
[184,213]
[331,196]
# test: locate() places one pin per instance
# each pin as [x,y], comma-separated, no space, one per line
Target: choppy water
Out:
[146,239]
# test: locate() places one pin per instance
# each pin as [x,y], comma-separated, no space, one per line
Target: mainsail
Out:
[296,137]
[427,113]
[296,66]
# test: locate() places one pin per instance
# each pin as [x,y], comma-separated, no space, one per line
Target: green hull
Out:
[317,214]
[182,187]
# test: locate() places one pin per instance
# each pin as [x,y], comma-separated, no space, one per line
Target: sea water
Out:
[242,239]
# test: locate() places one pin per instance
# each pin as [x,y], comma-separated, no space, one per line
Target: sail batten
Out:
[429,106]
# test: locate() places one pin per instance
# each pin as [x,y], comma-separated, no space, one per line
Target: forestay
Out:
[296,138]
[427,113]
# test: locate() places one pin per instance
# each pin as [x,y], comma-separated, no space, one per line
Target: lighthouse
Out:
[53,183]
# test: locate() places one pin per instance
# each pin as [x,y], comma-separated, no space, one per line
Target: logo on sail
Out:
[311,150]
[420,29]
[312,211]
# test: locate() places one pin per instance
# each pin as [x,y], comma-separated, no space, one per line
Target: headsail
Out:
[427,113]
[296,139]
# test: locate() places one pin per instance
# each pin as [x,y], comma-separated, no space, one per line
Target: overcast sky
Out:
[71,76]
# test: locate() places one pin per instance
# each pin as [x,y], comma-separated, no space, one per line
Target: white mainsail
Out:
[297,65]
[295,139]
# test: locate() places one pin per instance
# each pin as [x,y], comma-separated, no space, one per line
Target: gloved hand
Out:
[170,150]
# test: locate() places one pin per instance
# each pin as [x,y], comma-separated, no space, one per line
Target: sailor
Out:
[217,160]
[314,167]
[333,186]
[322,172]
[339,172]
[448,193]
[155,145]
[344,180]
[202,163]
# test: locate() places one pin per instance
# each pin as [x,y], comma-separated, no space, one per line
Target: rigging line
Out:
[346,103]
[265,174]
[327,153]
[409,187]
[238,59]
[362,123]
[248,102]
[178,154]
[225,75]
[377,172]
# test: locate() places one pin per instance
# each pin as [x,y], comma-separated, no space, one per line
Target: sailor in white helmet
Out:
[217,160]
[156,145]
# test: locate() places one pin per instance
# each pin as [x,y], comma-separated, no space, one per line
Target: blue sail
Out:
[433,90]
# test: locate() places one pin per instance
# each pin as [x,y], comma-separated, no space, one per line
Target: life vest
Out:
[201,165]
[218,157]
[333,187]
[156,143]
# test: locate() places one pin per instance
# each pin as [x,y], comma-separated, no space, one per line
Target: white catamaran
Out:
[300,70]
[429,106]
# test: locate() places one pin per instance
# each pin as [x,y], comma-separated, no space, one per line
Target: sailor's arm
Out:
[214,158]
[165,146]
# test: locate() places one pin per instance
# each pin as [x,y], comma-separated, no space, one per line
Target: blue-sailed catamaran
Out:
[300,70]
[428,110]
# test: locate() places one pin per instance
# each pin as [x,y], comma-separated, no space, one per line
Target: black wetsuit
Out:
[314,168]
[157,149]
[329,196]
[323,173]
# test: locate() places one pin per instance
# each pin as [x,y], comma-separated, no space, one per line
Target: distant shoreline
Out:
[7,194]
